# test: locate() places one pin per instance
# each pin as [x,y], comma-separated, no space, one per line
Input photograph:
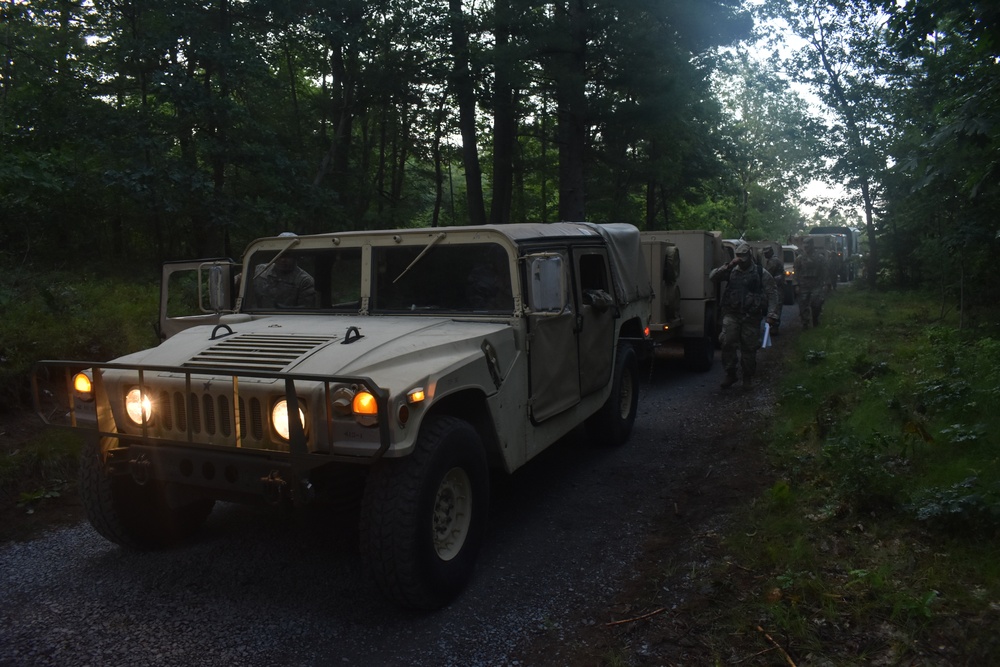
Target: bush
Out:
[65,316]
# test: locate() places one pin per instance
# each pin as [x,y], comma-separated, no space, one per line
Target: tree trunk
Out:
[503,119]
[571,78]
[466,96]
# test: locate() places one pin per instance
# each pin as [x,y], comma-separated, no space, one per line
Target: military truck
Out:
[405,363]
[848,248]
[685,302]
[832,248]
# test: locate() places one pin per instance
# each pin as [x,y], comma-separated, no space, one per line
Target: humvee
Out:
[406,364]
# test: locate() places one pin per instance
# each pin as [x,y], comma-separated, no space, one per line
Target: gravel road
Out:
[263,587]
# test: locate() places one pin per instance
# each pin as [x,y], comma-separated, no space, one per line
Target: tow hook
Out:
[275,488]
[139,467]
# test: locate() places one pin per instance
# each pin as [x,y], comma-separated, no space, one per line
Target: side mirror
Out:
[546,284]
[219,289]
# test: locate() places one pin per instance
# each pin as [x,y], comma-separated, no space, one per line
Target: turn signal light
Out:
[82,384]
[365,408]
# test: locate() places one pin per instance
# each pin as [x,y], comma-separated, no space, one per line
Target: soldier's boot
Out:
[747,381]
[730,380]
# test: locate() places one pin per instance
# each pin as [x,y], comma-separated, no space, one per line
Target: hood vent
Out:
[257,352]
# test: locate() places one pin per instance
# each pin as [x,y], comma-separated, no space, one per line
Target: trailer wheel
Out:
[612,424]
[423,516]
[131,515]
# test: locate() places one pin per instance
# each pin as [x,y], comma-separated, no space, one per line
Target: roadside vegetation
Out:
[877,544]
[57,316]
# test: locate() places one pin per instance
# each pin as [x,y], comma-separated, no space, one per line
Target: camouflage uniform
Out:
[282,284]
[749,294]
[812,274]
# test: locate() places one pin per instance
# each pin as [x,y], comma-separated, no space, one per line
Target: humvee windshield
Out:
[327,279]
[465,279]
[468,278]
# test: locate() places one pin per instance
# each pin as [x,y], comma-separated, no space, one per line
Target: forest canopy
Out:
[137,132]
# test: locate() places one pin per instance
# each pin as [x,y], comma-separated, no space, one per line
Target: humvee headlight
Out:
[365,408]
[138,406]
[279,419]
[83,386]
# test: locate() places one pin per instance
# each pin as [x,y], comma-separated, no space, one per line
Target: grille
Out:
[210,415]
[259,352]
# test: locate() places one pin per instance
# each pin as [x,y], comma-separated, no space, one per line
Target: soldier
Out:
[811,272]
[776,267]
[282,283]
[749,295]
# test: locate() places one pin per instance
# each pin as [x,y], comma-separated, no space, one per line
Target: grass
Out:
[880,538]
[42,468]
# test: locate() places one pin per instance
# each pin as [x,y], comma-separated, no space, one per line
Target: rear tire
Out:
[423,516]
[134,516]
[612,424]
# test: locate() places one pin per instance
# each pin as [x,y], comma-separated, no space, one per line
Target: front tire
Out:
[131,515]
[612,424]
[423,517]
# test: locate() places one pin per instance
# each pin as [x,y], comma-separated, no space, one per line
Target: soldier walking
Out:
[749,295]
[811,275]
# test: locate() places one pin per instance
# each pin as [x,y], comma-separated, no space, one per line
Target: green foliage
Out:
[865,473]
[66,316]
[969,505]
[780,494]
[39,470]
[888,511]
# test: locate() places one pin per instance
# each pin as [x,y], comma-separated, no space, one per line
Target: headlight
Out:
[279,419]
[138,406]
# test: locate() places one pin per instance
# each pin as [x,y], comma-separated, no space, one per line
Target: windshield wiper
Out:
[416,259]
[260,271]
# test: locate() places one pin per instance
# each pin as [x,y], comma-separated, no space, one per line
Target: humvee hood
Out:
[355,346]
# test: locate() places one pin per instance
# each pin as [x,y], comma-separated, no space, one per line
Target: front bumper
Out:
[210,425]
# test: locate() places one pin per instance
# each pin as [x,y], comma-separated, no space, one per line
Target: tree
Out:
[844,61]
[771,146]
[946,182]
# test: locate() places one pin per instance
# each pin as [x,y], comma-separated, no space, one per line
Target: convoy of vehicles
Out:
[391,370]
